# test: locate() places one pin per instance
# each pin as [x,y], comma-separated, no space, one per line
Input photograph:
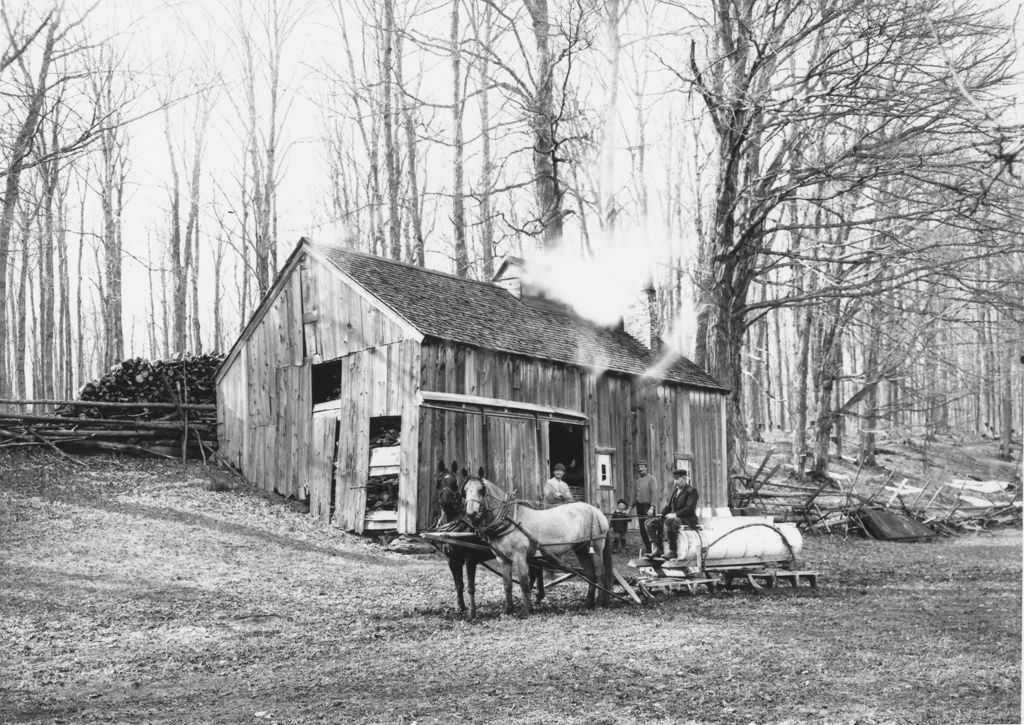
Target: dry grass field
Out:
[142,592]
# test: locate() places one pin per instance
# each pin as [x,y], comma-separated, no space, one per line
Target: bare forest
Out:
[818,202]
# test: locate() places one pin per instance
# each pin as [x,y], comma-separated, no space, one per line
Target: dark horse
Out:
[474,550]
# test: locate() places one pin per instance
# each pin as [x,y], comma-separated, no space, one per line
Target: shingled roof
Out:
[487,316]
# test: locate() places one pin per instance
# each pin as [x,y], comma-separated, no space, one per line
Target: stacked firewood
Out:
[382,488]
[165,408]
[182,379]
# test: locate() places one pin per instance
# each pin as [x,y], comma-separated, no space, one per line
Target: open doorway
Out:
[565,446]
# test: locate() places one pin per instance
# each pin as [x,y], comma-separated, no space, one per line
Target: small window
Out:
[326,382]
[604,470]
[684,461]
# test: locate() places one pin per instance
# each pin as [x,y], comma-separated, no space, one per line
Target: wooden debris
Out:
[941,505]
[165,408]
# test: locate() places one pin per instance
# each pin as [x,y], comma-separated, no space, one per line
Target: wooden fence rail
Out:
[188,429]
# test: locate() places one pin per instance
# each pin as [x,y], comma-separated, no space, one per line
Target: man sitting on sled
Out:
[680,510]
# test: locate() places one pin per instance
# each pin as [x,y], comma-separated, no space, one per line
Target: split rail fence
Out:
[167,430]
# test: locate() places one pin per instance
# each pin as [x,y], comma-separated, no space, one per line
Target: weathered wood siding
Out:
[644,420]
[451,368]
[264,398]
[265,408]
[345,320]
[380,381]
[630,418]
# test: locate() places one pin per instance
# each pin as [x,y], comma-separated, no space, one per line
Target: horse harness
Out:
[502,522]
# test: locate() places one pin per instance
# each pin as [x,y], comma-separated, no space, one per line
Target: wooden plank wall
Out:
[262,397]
[637,418]
[708,447]
[379,381]
[347,322]
[644,420]
[265,405]
[452,368]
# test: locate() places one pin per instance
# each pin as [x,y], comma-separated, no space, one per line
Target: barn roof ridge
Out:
[485,315]
[320,246]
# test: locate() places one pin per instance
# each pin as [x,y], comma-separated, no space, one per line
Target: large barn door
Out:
[514,455]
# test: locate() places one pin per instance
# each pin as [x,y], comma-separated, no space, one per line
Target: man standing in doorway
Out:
[556,491]
[644,496]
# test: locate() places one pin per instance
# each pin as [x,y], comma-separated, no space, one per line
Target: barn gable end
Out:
[316,322]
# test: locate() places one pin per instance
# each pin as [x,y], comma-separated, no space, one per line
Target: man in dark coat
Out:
[680,510]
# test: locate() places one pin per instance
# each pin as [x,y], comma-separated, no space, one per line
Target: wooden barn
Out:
[357,376]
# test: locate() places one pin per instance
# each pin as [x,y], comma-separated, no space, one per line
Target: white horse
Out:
[515,532]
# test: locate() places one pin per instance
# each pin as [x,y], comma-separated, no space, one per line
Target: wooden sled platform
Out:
[658,576]
[761,579]
[651,587]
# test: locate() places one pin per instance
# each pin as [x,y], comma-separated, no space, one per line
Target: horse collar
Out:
[501,523]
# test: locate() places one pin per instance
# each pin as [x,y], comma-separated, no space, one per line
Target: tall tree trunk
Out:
[80,367]
[798,395]
[47,282]
[458,150]
[218,292]
[609,127]
[21,308]
[1006,407]
[190,265]
[417,252]
[871,418]
[547,184]
[483,32]
[16,157]
[154,312]
[65,351]
[111,193]
[176,261]
[388,119]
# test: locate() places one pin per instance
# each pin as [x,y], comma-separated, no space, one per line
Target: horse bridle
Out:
[500,521]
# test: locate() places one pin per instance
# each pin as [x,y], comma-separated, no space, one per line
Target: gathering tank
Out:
[732,541]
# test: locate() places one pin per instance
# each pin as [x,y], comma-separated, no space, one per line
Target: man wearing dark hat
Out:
[556,491]
[680,510]
[643,497]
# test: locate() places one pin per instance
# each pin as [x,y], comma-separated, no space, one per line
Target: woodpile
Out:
[165,408]
[382,485]
[833,506]
[182,379]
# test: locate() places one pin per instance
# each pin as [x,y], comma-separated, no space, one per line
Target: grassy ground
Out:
[132,592]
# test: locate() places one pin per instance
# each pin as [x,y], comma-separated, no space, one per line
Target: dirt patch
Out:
[133,592]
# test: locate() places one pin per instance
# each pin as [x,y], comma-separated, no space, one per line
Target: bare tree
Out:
[790,111]
[33,94]
[458,147]
[261,52]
